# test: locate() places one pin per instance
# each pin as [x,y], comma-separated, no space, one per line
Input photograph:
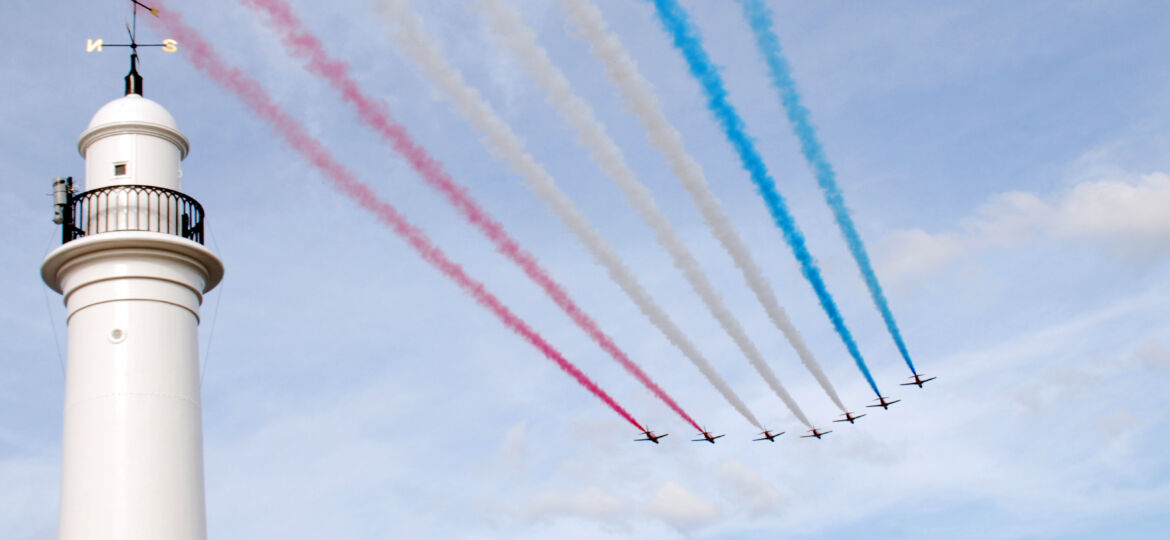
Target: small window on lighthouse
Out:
[119,169]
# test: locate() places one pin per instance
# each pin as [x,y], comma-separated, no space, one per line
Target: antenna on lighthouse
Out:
[133,78]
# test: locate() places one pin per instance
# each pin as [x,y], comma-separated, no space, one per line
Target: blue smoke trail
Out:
[687,41]
[760,18]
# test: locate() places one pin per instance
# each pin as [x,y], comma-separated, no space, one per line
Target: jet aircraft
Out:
[814,432]
[849,417]
[768,436]
[883,402]
[650,436]
[918,381]
[707,437]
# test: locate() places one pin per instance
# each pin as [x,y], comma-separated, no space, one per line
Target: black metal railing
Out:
[130,208]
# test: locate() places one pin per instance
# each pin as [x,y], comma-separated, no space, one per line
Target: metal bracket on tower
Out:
[63,208]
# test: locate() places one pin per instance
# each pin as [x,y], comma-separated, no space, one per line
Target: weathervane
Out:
[133,79]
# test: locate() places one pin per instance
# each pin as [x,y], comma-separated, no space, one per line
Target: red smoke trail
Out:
[205,58]
[304,45]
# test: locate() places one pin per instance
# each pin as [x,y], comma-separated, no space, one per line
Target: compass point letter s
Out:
[170,45]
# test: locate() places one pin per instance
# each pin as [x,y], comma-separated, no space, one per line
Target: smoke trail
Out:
[687,41]
[304,45]
[640,98]
[204,57]
[509,27]
[760,18]
[423,50]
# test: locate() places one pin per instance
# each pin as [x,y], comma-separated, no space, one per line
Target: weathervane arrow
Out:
[133,79]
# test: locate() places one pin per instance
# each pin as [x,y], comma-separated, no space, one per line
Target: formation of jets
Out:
[767,435]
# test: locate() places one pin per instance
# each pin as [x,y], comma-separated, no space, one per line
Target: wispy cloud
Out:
[591,503]
[681,507]
[1127,215]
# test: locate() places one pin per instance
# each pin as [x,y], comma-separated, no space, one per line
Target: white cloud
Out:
[680,507]
[1135,214]
[912,253]
[747,488]
[1008,219]
[593,503]
[1129,216]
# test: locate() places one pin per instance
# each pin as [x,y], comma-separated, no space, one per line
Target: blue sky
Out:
[1008,166]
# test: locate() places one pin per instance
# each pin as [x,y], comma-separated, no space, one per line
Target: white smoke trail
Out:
[640,98]
[420,48]
[509,27]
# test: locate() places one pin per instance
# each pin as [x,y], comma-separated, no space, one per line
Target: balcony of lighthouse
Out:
[131,207]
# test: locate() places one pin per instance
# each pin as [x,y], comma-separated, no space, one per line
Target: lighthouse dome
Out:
[133,113]
[133,108]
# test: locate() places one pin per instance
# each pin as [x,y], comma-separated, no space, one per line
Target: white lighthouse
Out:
[133,272]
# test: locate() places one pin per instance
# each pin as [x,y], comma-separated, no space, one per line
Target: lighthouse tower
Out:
[133,272]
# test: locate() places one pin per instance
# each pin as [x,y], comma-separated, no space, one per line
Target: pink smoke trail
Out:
[204,57]
[304,45]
